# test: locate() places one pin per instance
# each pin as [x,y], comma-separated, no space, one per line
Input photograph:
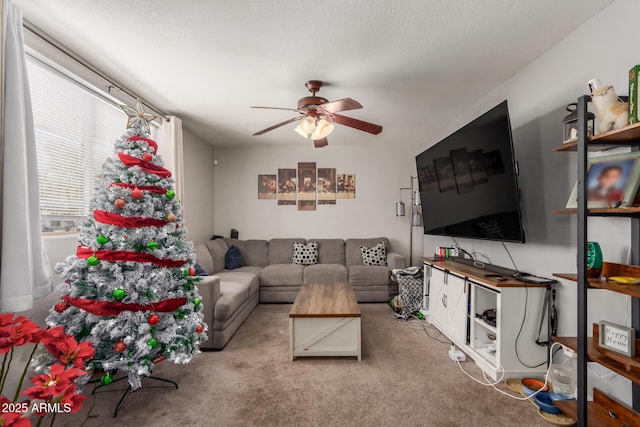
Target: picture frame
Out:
[617,338]
[612,181]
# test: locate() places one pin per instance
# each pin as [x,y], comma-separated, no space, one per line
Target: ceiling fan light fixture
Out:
[306,127]
[323,129]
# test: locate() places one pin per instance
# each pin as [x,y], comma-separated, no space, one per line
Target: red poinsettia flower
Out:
[73,399]
[53,384]
[17,331]
[66,349]
[11,419]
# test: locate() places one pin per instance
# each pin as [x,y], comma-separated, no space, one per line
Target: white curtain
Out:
[24,268]
[170,148]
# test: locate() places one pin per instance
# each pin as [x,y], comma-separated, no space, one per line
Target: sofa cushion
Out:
[281,250]
[218,249]
[245,277]
[352,248]
[233,258]
[376,255]
[326,273]
[368,275]
[305,254]
[330,251]
[282,274]
[232,296]
[254,252]
[203,257]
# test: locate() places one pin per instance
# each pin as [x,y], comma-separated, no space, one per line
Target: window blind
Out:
[74,131]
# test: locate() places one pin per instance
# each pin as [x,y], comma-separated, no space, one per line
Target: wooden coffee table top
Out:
[325,300]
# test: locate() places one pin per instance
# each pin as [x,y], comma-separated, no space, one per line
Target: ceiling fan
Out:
[317,116]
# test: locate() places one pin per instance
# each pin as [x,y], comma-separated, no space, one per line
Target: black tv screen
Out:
[468,183]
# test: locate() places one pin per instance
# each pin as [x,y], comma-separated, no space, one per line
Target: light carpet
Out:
[405,378]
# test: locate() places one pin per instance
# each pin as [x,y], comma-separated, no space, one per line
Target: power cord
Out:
[524,317]
[501,368]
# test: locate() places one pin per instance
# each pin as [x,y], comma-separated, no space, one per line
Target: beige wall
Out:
[198,200]
[380,172]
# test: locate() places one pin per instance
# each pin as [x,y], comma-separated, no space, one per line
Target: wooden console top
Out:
[479,274]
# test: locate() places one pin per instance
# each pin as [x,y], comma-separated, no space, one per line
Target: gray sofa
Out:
[268,275]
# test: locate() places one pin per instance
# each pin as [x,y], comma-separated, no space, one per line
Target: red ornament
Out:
[199,329]
[192,271]
[119,203]
[154,319]
[147,157]
[61,306]
[120,346]
[136,193]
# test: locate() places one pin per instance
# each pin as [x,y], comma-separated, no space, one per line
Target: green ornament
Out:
[185,272]
[188,286]
[180,314]
[170,194]
[152,342]
[119,294]
[152,245]
[196,302]
[106,379]
[93,261]
[102,239]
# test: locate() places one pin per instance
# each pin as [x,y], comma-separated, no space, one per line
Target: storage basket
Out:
[410,293]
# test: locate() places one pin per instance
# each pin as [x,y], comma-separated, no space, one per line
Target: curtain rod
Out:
[111,82]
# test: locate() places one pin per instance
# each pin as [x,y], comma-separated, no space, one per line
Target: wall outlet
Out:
[457,355]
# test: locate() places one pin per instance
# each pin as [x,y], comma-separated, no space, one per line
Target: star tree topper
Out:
[137,115]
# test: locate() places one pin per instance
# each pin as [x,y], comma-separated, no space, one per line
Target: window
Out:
[74,130]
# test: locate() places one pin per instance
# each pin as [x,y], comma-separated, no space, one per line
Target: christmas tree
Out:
[130,289]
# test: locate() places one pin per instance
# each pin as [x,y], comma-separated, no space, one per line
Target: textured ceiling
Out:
[413,64]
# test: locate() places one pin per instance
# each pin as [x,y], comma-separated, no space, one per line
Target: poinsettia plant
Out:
[55,391]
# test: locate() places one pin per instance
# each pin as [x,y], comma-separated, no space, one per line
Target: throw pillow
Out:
[233,258]
[376,255]
[305,254]
[200,271]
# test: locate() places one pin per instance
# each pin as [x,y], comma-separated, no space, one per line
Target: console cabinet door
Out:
[457,308]
[438,296]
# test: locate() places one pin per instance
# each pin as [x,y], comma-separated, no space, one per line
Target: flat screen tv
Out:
[468,182]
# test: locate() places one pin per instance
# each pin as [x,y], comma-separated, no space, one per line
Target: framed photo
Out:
[612,181]
[427,178]
[494,163]
[306,186]
[326,186]
[287,186]
[346,186]
[478,166]
[617,338]
[267,186]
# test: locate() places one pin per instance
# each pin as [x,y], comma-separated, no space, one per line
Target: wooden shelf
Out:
[595,356]
[633,290]
[628,135]
[632,211]
[599,411]
[573,146]
[610,269]
[625,136]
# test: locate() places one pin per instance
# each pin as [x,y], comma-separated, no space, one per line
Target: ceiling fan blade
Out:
[356,124]
[319,143]
[286,122]
[341,105]
[276,108]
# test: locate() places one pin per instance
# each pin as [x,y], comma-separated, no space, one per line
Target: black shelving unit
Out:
[629,136]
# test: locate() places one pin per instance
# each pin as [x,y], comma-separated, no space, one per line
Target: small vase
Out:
[594,259]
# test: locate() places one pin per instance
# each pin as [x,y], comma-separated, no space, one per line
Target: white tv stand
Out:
[458,292]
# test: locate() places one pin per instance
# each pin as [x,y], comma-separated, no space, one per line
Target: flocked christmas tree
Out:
[130,289]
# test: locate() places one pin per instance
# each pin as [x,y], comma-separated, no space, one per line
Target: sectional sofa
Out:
[268,275]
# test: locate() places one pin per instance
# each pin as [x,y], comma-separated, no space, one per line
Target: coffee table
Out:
[325,321]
